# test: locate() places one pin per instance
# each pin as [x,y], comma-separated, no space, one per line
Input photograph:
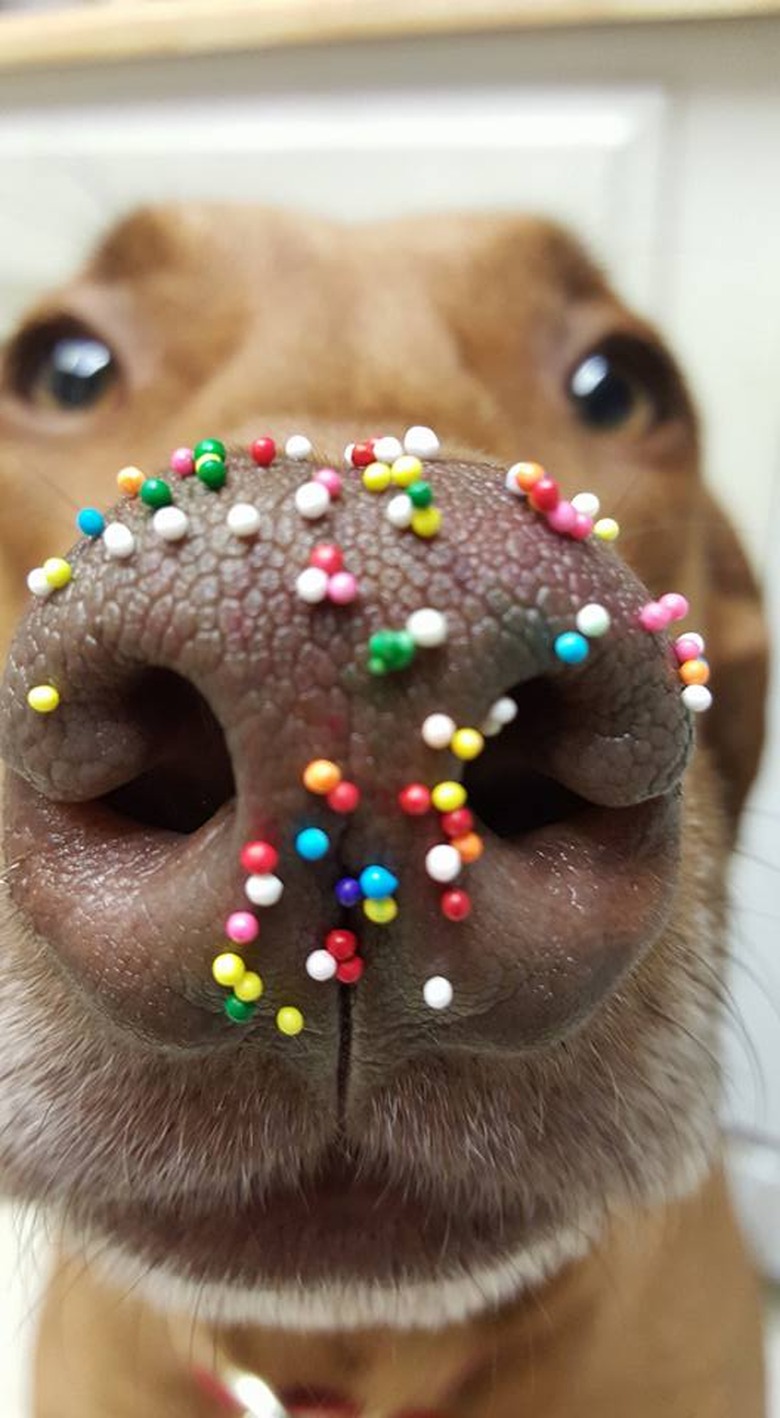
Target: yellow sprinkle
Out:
[607,529]
[406,470]
[129,481]
[43,699]
[57,572]
[249,987]
[228,969]
[426,521]
[381,910]
[289,1021]
[448,797]
[467,744]
[376,477]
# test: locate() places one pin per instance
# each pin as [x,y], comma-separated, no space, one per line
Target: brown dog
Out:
[522,1198]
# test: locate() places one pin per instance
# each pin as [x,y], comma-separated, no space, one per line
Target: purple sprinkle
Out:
[348,891]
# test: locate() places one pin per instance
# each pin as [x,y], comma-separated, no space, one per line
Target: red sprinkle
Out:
[344,797]
[457,823]
[415,799]
[263,452]
[342,945]
[350,971]
[260,858]
[363,454]
[545,495]
[327,557]
[456,905]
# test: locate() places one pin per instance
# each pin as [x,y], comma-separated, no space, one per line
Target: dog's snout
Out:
[201,675]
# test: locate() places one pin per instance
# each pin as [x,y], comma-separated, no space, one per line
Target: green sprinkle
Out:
[213,473]
[393,649]
[238,1011]
[209,445]
[155,492]
[421,494]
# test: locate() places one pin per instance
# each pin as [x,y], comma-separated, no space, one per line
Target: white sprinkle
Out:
[421,441]
[118,541]
[437,992]
[312,500]
[510,481]
[427,627]
[400,510]
[588,504]
[697,698]
[593,620]
[321,965]
[37,583]
[312,585]
[443,862]
[348,451]
[503,711]
[437,730]
[243,520]
[386,450]
[298,446]
[263,890]
[170,523]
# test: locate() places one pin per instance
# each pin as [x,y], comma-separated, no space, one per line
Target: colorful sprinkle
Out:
[448,797]
[415,799]
[238,1011]
[327,557]
[426,522]
[182,462]
[91,522]
[312,844]
[341,944]
[606,529]
[381,911]
[342,588]
[377,881]
[456,905]
[43,698]
[211,447]
[249,988]
[458,822]
[58,572]
[405,471]
[259,857]
[321,776]
[376,477]
[467,744]
[289,1021]
[350,971]
[241,927]
[155,492]
[689,646]
[390,650]
[571,647]
[228,969]
[262,452]
[130,481]
[348,891]
[211,471]
[344,798]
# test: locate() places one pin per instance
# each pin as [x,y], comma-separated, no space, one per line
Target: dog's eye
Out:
[627,384]
[61,365]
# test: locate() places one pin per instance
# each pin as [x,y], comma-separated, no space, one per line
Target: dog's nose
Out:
[276,741]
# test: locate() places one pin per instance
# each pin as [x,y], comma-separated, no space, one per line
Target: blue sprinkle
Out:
[378,882]
[312,844]
[571,647]
[91,522]
[348,891]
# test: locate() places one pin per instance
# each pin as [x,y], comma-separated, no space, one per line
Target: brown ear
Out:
[738,650]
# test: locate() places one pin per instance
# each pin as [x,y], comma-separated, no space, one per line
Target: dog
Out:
[514,1206]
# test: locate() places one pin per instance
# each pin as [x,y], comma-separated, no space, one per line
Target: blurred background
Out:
[652,127]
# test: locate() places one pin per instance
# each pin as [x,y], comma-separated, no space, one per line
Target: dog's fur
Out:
[225,317]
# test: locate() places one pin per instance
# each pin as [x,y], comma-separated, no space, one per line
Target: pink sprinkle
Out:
[689,646]
[654,616]
[582,528]
[242,928]
[182,462]
[329,479]
[675,604]
[562,518]
[342,588]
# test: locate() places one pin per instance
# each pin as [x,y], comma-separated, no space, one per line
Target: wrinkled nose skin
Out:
[195,688]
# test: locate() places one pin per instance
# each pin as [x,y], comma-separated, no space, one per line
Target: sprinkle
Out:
[238,1011]
[563,518]
[344,798]
[312,500]
[593,620]
[427,627]
[376,882]
[587,503]
[327,557]
[438,730]
[381,911]
[456,905]
[213,447]
[458,822]
[263,889]
[321,776]
[437,992]
[348,452]
[606,529]
[421,494]
[545,495]
[362,453]
[676,605]
[654,617]
[469,847]
[386,450]
[262,451]
[341,944]
[376,477]
[170,523]
[243,520]
[448,797]
[182,462]
[130,481]
[119,541]
[348,891]
[583,526]
[689,646]
[415,799]
[695,672]
[571,647]
[43,698]
[331,480]
[350,971]
[421,441]
[312,586]
[38,584]
[499,715]
[228,969]
[91,522]
[400,511]
[320,965]
[390,650]
[241,927]
[298,447]
[342,588]
[211,471]
[249,988]
[289,1021]
[525,476]
[697,698]
[405,471]
[426,522]
[57,571]
[155,492]
[312,844]
[467,744]
[259,857]
[443,862]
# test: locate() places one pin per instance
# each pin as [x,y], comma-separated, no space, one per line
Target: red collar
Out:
[300,1403]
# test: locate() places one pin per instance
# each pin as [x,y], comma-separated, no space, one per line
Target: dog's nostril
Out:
[193,777]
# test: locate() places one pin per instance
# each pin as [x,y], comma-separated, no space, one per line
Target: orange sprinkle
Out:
[469,847]
[321,776]
[528,475]
[695,672]
[129,480]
